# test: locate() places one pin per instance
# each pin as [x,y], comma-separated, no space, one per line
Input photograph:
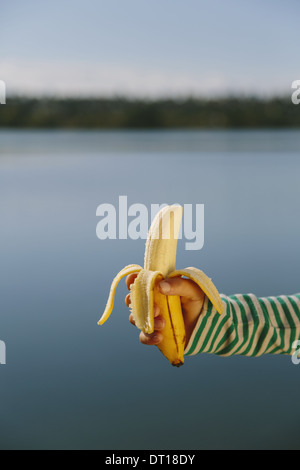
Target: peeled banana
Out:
[159,263]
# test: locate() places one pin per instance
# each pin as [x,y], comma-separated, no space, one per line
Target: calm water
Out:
[71,384]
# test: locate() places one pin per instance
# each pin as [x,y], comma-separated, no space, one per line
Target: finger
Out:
[159,323]
[127,300]
[131,319]
[151,340]
[185,288]
[130,279]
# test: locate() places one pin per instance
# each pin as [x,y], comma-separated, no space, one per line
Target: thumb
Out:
[183,287]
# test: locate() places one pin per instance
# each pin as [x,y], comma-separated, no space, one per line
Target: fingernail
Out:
[156,310]
[165,287]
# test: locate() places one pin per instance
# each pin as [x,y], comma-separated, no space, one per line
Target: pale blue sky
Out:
[149,47]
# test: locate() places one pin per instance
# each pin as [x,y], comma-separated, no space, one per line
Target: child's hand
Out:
[192,298]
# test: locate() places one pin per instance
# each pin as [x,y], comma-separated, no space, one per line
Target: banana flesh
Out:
[159,263]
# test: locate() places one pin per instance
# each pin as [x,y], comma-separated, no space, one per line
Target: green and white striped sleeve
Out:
[249,326]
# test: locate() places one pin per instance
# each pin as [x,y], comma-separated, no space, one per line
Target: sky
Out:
[149,48]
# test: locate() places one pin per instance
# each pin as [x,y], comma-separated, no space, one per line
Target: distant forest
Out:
[122,113]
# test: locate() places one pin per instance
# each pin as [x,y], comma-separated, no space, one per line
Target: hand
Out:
[192,299]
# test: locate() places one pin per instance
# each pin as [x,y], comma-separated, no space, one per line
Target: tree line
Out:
[124,113]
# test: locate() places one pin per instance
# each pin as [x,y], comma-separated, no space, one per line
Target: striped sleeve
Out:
[249,326]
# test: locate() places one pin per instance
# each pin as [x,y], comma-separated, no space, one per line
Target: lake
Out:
[69,383]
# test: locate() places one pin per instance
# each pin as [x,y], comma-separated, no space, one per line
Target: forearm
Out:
[249,326]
